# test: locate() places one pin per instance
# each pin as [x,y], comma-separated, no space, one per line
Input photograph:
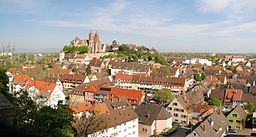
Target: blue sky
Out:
[167,25]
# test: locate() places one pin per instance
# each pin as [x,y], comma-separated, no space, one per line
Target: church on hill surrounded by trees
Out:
[93,42]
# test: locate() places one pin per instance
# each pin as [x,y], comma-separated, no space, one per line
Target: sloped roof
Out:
[213,126]
[43,86]
[148,113]
[233,95]
[22,79]
[130,94]
[73,78]
[80,107]
[240,111]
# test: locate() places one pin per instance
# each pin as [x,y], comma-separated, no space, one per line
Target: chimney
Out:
[203,127]
[185,98]
[211,122]
[218,111]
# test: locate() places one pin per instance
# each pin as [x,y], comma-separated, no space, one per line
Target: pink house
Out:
[153,118]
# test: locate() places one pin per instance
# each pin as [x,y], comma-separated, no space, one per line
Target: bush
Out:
[73,49]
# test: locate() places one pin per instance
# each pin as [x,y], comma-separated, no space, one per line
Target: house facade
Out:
[237,118]
[216,125]
[119,117]
[153,119]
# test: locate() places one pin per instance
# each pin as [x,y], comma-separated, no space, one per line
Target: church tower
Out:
[91,43]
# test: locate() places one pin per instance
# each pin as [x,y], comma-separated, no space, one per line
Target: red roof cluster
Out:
[22,79]
[132,95]
[233,95]
[43,86]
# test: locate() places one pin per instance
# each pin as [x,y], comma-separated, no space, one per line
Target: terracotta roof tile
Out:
[80,107]
[233,95]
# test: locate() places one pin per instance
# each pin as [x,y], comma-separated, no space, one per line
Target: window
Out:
[175,115]
[176,109]
[183,116]
[144,129]
[234,115]
[230,120]
[169,108]
[238,121]
[181,110]
[237,127]
[175,104]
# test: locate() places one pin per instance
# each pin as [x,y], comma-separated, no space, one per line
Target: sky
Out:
[166,25]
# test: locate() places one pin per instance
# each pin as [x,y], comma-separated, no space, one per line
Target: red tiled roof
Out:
[80,107]
[80,56]
[42,86]
[130,94]
[22,79]
[96,62]
[55,71]
[233,95]
[91,89]
[71,78]
[122,76]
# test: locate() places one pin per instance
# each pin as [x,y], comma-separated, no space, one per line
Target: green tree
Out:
[150,58]
[251,107]
[3,81]
[167,71]
[54,121]
[88,70]
[203,76]
[215,102]
[83,49]
[163,95]
[123,47]
[26,110]
[197,77]
[73,49]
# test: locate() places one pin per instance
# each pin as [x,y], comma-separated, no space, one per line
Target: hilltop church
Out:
[94,43]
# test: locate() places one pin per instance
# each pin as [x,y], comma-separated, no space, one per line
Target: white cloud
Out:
[213,5]
[158,25]
[239,10]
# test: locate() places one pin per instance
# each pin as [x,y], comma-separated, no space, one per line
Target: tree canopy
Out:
[88,124]
[73,49]
[199,77]
[54,121]
[41,120]
[215,102]
[142,52]
[3,81]
[163,95]
[251,107]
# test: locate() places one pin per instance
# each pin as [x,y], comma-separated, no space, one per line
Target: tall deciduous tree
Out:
[163,95]
[3,81]
[88,124]
[251,107]
[54,121]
